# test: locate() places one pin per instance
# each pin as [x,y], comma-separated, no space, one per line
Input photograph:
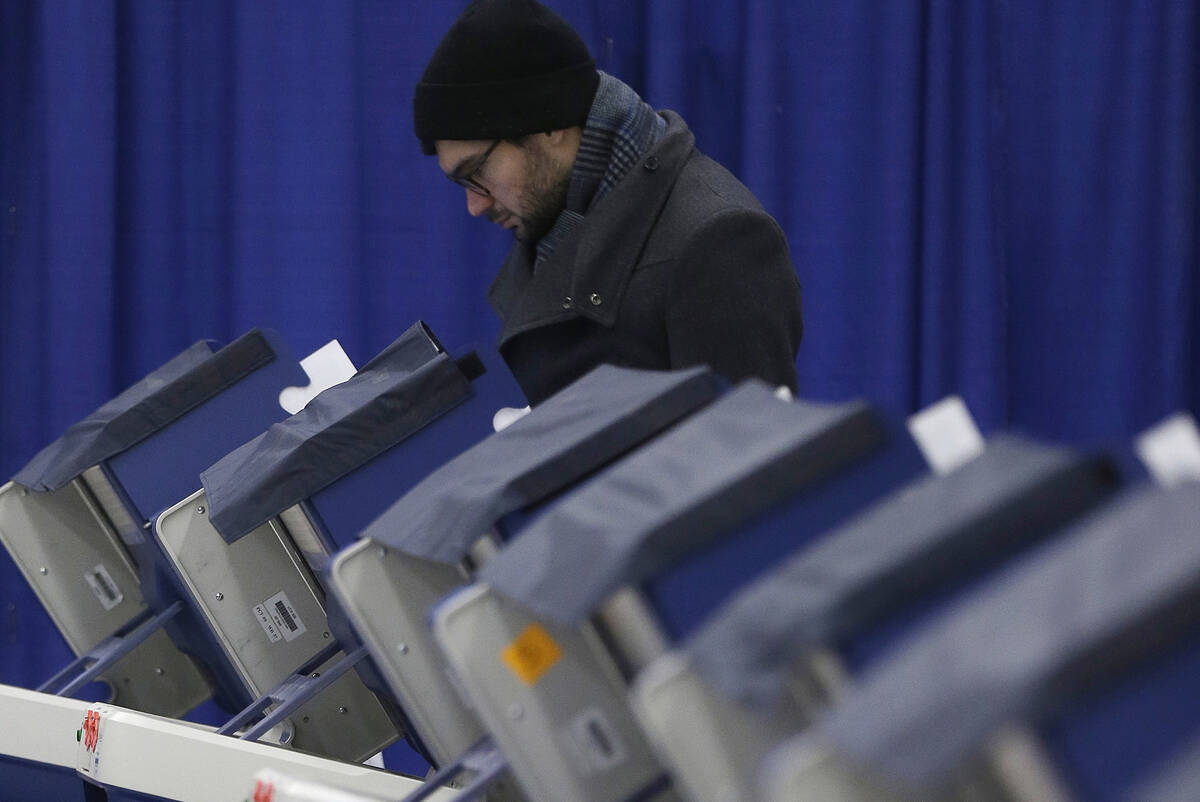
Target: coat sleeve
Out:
[733,301]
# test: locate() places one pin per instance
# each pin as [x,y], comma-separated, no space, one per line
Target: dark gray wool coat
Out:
[677,266]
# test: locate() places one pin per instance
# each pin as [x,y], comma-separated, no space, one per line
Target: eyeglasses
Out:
[467,179]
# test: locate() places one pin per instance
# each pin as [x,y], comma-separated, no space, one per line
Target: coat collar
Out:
[588,272]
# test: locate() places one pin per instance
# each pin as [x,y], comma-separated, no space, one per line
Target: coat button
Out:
[651,164]
[567,302]
[595,299]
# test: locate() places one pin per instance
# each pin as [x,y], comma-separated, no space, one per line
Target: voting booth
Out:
[546,640]
[651,586]
[435,538]
[1071,675]
[786,647]
[253,545]
[76,518]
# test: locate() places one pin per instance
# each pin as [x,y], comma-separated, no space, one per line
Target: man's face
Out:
[521,187]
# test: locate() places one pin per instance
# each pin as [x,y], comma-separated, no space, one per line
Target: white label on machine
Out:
[597,748]
[278,618]
[946,434]
[267,623]
[325,367]
[1171,450]
[102,584]
[507,416]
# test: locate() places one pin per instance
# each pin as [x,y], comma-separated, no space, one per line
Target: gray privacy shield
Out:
[740,456]
[398,392]
[569,435]
[912,542]
[1088,600]
[180,385]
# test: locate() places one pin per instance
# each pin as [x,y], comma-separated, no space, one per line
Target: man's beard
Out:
[544,198]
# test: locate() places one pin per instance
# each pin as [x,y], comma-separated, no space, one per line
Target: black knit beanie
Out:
[506,68]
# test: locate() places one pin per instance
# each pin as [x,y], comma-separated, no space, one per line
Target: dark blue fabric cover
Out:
[183,383]
[409,384]
[738,457]
[1178,781]
[907,545]
[569,435]
[1059,620]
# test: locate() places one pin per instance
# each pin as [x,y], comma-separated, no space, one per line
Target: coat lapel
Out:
[592,267]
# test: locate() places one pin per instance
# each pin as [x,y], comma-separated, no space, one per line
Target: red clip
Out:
[263,792]
[91,730]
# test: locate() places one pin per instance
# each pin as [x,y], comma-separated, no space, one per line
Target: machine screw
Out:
[324,634]
[343,710]
[219,596]
[402,648]
[315,674]
[43,570]
[200,509]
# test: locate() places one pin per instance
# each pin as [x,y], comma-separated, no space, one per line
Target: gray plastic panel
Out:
[80,572]
[554,705]
[268,614]
[75,565]
[712,745]
[388,596]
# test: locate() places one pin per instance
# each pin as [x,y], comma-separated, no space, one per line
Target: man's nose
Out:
[477,204]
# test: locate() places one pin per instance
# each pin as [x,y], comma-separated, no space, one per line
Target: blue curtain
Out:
[984,197]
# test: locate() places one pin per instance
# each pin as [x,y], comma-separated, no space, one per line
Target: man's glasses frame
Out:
[467,179]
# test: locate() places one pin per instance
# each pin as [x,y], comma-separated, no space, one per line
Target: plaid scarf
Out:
[620,128]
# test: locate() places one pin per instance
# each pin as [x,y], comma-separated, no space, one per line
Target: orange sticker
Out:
[532,654]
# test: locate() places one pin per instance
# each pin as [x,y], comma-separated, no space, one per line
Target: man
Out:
[631,247]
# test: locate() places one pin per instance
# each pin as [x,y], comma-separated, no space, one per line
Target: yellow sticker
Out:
[532,654]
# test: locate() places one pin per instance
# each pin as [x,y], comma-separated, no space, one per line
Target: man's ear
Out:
[564,141]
